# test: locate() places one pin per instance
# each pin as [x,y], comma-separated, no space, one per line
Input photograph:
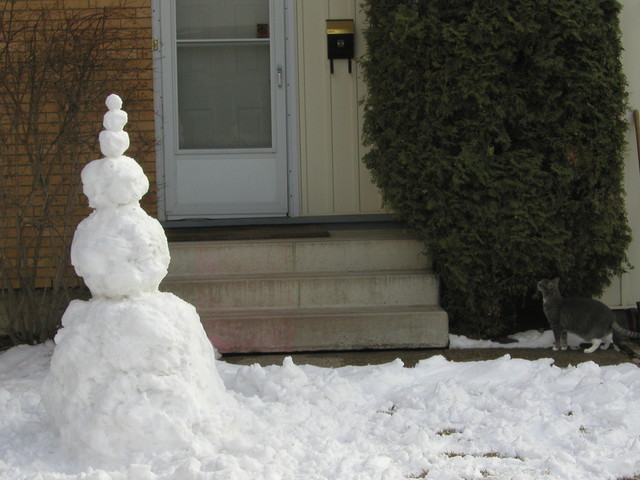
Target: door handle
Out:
[279,77]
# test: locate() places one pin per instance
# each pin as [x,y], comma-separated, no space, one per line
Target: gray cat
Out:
[590,319]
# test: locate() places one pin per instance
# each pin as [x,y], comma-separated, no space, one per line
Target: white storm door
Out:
[224,108]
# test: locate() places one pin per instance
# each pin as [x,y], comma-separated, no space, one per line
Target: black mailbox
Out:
[340,43]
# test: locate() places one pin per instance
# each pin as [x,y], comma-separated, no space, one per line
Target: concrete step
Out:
[352,290]
[306,290]
[273,330]
[343,250]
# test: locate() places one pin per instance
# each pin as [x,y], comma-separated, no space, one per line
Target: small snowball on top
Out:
[114,141]
[115,180]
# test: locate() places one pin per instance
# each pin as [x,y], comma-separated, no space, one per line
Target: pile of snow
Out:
[528,339]
[132,375]
[505,418]
[133,371]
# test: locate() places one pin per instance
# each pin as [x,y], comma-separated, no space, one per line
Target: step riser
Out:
[222,258]
[308,292]
[328,332]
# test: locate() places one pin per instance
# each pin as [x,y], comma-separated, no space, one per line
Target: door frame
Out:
[291,113]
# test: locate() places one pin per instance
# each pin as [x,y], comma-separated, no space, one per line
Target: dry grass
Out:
[422,474]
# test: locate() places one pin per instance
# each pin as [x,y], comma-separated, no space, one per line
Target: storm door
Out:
[223,108]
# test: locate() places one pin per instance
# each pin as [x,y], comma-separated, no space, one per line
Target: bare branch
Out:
[57,64]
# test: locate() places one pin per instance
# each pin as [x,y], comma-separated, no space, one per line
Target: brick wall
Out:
[54,79]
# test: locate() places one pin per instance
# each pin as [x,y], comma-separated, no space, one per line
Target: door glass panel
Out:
[223,74]
[211,19]
[224,96]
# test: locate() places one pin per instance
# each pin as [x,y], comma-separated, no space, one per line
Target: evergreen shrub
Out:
[497,132]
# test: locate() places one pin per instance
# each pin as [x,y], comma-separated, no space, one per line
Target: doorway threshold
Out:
[351,220]
[260,229]
[252,232]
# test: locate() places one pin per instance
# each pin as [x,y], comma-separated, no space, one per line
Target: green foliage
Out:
[497,133]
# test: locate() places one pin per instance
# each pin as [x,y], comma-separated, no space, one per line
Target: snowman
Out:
[132,371]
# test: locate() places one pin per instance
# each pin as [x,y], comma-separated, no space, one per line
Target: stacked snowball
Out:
[133,370]
[119,250]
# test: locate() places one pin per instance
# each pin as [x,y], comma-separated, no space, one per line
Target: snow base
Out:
[132,375]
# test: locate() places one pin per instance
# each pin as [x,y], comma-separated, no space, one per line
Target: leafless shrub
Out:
[57,65]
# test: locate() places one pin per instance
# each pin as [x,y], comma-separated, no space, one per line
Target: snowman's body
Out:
[133,370]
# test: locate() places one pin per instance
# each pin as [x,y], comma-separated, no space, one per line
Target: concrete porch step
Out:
[307,290]
[243,331]
[342,251]
[353,290]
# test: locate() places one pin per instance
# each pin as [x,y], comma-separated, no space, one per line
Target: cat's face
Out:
[547,286]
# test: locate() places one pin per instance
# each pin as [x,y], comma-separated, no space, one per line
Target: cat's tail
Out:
[624,331]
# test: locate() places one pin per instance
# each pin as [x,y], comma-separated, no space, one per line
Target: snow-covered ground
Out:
[528,339]
[500,419]
[133,391]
